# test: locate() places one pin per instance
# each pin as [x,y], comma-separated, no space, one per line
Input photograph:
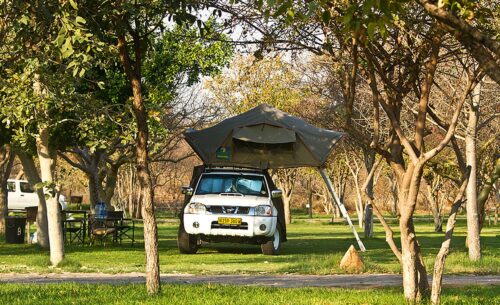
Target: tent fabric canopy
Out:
[263,137]
[264,133]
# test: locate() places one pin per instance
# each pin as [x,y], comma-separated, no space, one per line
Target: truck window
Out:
[243,184]
[11,186]
[25,187]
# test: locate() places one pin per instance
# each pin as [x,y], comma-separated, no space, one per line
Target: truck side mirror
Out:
[187,190]
[276,194]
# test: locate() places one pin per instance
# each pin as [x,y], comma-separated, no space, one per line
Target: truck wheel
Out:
[273,246]
[186,243]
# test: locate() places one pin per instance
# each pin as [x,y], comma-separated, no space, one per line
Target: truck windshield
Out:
[242,184]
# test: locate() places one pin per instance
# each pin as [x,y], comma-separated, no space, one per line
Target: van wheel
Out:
[187,243]
[273,246]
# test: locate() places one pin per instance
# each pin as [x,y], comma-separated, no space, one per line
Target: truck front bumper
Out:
[208,224]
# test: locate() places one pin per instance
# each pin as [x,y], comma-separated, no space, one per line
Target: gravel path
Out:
[344,281]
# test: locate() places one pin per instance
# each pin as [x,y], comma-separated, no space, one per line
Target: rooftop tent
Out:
[267,138]
[263,137]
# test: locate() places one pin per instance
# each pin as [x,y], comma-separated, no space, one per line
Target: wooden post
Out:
[341,207]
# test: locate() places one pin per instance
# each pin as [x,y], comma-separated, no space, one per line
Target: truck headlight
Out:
[196,208]
[263,210]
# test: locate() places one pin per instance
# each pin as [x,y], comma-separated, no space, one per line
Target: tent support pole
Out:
[341,206]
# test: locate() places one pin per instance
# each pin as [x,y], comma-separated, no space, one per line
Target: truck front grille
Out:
[220,209]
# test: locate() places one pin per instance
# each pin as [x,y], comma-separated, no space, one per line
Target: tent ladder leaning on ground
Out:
[267,138]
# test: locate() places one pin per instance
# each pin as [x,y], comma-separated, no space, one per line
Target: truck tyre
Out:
[273,246]
[186,243]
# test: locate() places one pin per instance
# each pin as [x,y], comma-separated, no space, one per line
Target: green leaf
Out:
[326,16]
[73,4]
[282,9]
[371,29]
[24,20]
[80,20]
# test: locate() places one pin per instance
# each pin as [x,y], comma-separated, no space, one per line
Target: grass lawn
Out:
[313,248]
[68,293]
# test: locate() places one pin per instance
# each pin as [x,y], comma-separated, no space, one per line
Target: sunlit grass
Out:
[69,293]
[313,248]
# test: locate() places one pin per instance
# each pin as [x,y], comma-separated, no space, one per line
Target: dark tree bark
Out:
[6,162]
[133,71]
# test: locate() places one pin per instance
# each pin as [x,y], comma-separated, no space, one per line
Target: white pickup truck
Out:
[232,205]
[22,195]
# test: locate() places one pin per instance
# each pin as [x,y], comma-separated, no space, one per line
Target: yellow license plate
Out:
[229,221]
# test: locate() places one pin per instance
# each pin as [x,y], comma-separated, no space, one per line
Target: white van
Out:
[22,195]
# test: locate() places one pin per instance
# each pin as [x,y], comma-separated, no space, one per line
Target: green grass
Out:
[313,248]
[69,293]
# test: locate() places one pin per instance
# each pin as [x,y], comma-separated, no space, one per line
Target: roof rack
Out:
[232,168]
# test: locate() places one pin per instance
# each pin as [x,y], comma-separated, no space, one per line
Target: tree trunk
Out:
[358,203]
[432,198]
[110,185]
[42,229]
[47,165]
[395,197]
[445,246]
[369,157]
[94,188]
[286,206]
[285,179]
[473,239]
[415,283]
[485,193]
[310,197]
[6,162]
[130,193]
[143,174]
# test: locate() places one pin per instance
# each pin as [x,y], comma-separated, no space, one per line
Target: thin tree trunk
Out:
[438,227]
[369,158]
[42,229]
[395,197]
[359,201]
[310,197]
[6,162]
[485,193]
[286,206]
[473,238]
[437,277]
[47,165]
[146,191]
[130,196]
[389,234]
[369,198]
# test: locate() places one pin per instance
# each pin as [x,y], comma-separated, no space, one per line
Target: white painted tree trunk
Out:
[47,166]
[42,229]
[473,239]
